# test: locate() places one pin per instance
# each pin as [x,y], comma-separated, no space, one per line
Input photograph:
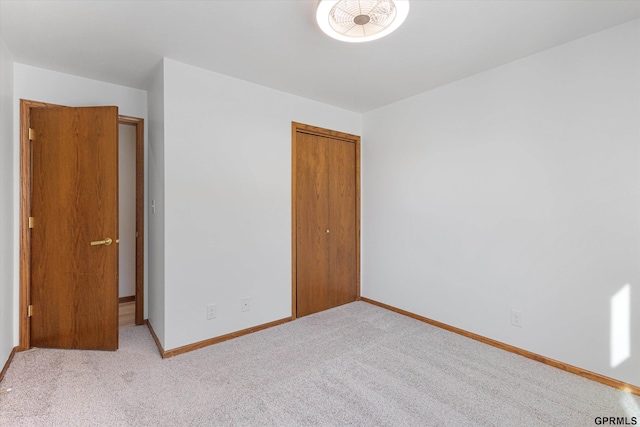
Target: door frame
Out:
[139,294]
[327,133]
[25,209]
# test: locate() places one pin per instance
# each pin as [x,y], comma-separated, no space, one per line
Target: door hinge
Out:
[30,222]
[32,134]
[29,310]
[136,234]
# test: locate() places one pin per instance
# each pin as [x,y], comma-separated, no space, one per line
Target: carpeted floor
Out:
[354,365]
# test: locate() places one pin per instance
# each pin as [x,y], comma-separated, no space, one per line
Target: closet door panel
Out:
[313,290]
[342,221]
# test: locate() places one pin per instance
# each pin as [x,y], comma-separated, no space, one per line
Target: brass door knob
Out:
[105,242]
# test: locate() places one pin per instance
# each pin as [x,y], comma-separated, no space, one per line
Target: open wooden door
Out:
[74,250]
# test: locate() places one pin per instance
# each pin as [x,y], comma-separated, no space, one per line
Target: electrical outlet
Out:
[244,304]
[516,318]
[212,311]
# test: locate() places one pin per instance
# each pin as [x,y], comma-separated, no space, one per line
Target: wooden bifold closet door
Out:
[326,217]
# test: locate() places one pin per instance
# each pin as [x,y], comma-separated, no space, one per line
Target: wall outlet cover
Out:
[212,311]
[516,318]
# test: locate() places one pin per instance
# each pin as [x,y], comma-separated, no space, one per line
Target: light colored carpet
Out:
[354,365]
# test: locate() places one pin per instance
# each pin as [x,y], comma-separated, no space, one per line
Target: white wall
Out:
[227,147]
[38,84]
[155,236]
[7,296]
[127,210]
[517,188]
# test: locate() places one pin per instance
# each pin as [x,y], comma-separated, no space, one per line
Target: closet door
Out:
[326,217]
[341,239]
[313,287]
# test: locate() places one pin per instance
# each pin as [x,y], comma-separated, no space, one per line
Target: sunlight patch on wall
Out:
[621,326]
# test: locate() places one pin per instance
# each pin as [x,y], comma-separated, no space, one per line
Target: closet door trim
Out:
[297,128]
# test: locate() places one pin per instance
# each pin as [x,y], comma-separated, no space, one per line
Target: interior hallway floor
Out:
[127,314]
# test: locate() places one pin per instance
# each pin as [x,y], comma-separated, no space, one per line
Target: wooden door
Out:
[326,218]
[314,290]
[342,221]
[74,269]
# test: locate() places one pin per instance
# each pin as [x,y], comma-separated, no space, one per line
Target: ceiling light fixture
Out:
[361,20]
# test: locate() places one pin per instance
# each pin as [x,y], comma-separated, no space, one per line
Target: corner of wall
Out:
[8,302]
[156,252]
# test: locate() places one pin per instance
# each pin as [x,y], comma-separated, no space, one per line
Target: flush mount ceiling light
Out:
[361,20]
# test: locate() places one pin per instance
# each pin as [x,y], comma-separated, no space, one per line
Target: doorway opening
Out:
[25,210]
[139,213]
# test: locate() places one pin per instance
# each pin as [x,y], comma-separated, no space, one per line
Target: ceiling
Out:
[278,43]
